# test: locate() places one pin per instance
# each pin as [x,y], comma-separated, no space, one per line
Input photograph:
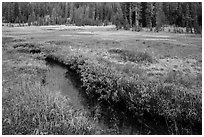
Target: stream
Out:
[59,79]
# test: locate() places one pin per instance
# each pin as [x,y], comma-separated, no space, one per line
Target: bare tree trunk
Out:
[66,10]
[136,18]
[130,15]
[71,11]
[93,14]
[137,8]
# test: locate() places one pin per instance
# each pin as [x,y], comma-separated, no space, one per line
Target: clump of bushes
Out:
[6,40]
[187,80]
[133,56]
[27,47]
[24,45]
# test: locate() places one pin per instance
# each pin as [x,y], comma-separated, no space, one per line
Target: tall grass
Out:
[30,108]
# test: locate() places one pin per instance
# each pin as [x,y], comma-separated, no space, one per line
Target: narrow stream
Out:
[59,79]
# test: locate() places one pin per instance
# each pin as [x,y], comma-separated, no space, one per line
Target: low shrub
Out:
[133,56]
[24,45]
[6,40]
[187,80]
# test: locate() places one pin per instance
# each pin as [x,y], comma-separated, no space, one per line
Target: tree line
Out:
[126,15]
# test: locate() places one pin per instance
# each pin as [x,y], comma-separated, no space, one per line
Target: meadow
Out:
[132,82]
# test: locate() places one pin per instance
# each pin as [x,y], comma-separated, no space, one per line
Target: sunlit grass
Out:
[30,108]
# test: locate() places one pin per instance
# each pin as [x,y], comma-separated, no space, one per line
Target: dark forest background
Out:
[126,15]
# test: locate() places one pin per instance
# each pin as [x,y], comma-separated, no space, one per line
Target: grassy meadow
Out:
[134,82]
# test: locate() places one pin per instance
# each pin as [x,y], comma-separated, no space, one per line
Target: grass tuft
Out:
[133,56]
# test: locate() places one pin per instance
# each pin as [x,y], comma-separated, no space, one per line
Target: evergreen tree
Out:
[160,16]
[124,15]
[16,12]
[137,10]
[130,14]
[149,15]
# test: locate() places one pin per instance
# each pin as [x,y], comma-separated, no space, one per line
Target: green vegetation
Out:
[120,82]
[133,56]
[127,15]
[108,87]
[168,100]
[30,108]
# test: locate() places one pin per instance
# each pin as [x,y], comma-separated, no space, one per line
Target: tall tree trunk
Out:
[93,14]
[187,18]
[137,16]
[71,16]
[130,15]
[66,10]
[195,19]
[149,14]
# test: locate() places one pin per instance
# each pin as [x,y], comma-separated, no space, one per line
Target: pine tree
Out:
[137,10]
[124,15]
[16,12]
[10,13]
[187,18]
[197,29]
[149,15]
[160,16]
[130,14]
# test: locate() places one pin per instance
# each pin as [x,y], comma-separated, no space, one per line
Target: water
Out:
[58,79]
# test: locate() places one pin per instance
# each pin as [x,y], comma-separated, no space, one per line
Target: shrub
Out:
[184,79]
[133,56]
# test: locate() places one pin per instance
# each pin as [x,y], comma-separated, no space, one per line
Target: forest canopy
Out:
[124,15]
